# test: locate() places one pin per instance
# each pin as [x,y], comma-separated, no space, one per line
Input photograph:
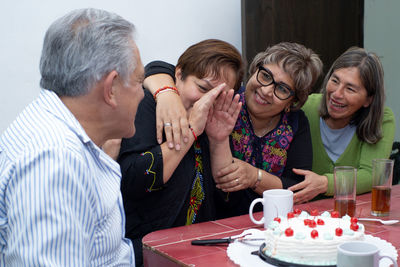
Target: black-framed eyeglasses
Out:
[265,78]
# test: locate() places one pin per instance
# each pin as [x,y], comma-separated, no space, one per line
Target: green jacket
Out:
[357,154]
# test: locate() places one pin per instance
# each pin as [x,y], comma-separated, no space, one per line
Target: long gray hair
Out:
[368,120]
[83,46]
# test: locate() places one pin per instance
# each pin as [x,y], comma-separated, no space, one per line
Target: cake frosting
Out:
[310,238]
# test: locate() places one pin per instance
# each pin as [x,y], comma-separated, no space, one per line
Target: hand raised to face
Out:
[223,116]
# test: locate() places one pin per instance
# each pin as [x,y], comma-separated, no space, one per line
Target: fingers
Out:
[168,134]
[302,196]
[211,95]
[220,101]
[227,170]
[232,185]
[236,109]
[160,129]
[185,129]
[298,186]
[299,198]
[300,171]
[228,101]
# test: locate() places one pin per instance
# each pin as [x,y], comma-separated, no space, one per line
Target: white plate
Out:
[240,252]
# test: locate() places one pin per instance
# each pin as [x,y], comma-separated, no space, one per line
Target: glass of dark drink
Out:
[345,179]
[382,175]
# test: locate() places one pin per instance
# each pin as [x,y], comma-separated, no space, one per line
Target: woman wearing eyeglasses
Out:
[271,135]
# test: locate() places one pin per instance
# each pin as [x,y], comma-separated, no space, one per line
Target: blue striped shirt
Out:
[60,200]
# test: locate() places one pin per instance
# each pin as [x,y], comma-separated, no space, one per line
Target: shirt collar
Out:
[53,104]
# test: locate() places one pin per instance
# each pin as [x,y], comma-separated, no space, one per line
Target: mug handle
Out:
[389,257]
[254,202]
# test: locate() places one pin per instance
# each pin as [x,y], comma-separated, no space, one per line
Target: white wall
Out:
[165,29]
[382,36]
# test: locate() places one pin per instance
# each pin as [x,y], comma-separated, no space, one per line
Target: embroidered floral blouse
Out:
[287,146]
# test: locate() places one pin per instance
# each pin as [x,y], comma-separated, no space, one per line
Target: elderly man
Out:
[60,200]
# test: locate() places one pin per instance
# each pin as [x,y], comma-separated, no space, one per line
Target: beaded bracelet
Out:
[165,89]
[195,136]
[259,176]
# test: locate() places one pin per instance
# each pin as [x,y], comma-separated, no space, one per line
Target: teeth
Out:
[336,105]
[260,99]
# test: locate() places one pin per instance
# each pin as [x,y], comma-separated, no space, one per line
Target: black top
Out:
[150,204]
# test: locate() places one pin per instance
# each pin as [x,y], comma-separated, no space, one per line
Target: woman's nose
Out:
[339,92]
[268,90]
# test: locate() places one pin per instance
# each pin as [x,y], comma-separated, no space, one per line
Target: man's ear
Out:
[109,86]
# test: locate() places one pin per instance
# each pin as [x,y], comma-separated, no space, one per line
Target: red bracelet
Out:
[195,136]
[165,89]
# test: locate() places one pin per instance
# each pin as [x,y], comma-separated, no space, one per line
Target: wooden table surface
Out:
[171,247]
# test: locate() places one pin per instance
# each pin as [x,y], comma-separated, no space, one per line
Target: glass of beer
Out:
[382,175]
[345,179]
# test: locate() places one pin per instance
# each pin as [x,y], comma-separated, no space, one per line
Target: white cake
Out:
[310,240]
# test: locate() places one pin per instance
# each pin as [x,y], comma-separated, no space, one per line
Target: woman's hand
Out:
[312,186]
[223,116]
[111,147]
[237,176]
[202,107]
[171,110]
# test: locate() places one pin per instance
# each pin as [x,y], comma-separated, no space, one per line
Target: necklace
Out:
[266,129]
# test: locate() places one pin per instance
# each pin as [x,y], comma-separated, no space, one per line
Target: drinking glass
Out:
[345,179]
[382,175]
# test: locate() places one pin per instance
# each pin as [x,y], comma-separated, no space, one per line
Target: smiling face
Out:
[192,88]
[345,95]
[261,101]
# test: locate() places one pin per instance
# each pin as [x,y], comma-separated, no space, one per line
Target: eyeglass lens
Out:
[265,78]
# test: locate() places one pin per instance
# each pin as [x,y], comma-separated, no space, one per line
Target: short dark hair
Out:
[367,119]
[208,57]
[301,63]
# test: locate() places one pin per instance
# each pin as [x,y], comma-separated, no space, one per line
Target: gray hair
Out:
[83,46]
[301,63]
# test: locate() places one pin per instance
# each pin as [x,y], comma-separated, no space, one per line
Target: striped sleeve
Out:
[51,219]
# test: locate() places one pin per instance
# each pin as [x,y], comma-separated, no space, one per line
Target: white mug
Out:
[276,202]
[359,253]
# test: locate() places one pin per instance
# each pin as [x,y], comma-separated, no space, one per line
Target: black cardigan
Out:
[149,203]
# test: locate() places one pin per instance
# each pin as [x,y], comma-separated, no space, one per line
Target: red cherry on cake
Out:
[307,221]
[290,215]
[334,214]
[314,212]
[277,219]
[297,211]
[312,224]
[289,232]
[314,234]
[320,222]
[354,220]
[338,231]
[354,226]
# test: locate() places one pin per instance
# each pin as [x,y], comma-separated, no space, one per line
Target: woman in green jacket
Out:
[349,124]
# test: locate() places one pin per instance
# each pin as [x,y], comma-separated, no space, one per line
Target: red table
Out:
[171,247]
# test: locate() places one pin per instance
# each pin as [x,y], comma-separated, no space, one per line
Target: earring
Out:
[287,109]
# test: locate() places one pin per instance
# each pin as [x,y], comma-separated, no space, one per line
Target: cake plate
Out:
[280,263]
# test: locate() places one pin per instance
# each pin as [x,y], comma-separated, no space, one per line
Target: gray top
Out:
[335,140]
